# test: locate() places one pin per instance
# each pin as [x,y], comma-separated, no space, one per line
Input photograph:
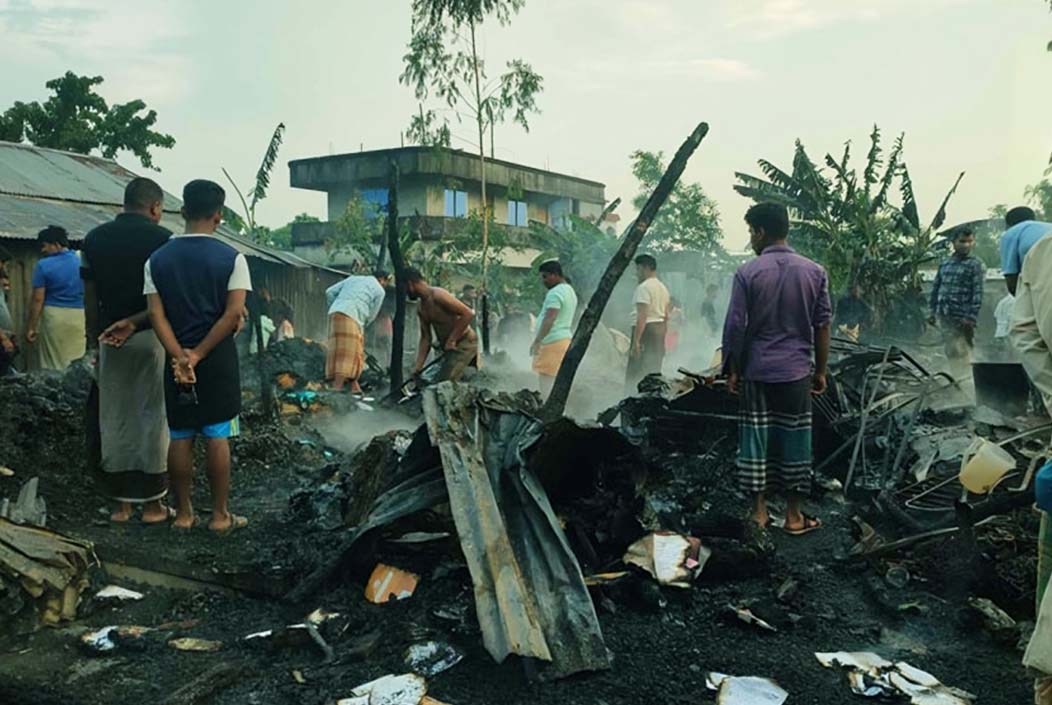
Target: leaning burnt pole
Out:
[556,403]
[394,247]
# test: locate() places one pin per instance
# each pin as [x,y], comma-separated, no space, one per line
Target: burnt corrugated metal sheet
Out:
[530,596]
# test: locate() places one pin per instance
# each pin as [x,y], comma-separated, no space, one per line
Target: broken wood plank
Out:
[560,393]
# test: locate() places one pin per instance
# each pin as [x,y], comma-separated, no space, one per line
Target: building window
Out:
[456,204]
[375,201]
[517,213]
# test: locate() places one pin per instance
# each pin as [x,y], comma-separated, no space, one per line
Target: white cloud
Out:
[137,50]
[766,19]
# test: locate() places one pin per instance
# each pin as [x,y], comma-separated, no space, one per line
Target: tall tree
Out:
[78,119]
[689,219]
[444,61]
[259,190]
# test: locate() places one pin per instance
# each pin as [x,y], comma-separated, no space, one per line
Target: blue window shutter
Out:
[462,204]
[450,205]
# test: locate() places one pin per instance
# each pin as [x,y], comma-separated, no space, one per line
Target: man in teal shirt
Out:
[554,325]
[1024,230]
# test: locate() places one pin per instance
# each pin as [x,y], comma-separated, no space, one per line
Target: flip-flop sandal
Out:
[236,522]
[810,524]
[169,516]
[184,529]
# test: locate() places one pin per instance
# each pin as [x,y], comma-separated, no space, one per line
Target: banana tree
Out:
[846,221]
[259,192]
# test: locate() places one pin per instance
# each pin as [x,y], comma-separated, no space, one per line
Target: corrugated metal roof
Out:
[40,187]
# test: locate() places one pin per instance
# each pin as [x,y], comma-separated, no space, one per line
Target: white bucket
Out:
[983,466]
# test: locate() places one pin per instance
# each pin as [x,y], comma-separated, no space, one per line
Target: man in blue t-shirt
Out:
[56,311]
[1024,230]
[196,287]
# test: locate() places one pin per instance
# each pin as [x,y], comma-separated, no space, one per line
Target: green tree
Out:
[1039,196]
[281,238]
[444,61]
[847,222]
[689,219]
[425,129]
[257,232]
[78,119]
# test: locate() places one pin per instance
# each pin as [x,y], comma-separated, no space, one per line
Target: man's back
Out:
[782,297]
[358,297]
[193,274]
[1017,241]
[115,254]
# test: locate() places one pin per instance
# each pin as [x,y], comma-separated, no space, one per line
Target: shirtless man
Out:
[450,319]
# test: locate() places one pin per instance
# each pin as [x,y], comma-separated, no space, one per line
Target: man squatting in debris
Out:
[775,346]
[354,303]
[957,296]
[196,287]
[649,324]
[555,329]
[134,432]
[450,320]
[56,311]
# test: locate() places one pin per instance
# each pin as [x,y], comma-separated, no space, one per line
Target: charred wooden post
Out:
[556,403]
[394,245]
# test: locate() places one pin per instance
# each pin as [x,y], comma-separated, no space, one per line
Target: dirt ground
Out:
[663,640]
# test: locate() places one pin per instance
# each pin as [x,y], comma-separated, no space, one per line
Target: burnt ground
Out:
[663,640]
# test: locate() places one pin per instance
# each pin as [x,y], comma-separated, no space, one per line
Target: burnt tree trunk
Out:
[556,403]
[394,245]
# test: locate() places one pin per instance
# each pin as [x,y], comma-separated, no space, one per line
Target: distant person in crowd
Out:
[1023,230]
[267,328]
[675,325]
[56,311]
[776,346]
[469,295]
[282,315]
[8,346]
[708,310]
[853,315]
[649,324]
[196,287]
[353,304]
[1003,316]
[556,325]
[449,321]
[957,296]
[132,421]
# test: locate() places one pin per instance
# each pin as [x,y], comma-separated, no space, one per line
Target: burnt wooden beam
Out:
[556,404]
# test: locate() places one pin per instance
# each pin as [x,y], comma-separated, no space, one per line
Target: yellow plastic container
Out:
[983,466]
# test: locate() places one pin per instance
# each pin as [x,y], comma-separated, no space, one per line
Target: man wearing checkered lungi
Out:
[353,304]
[775,348]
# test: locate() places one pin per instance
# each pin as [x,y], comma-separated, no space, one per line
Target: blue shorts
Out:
[225,429]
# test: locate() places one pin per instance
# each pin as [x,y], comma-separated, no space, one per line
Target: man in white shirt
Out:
[1003,316]
[649,325]
[353,304]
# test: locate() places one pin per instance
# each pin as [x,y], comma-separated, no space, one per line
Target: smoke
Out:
[348,432]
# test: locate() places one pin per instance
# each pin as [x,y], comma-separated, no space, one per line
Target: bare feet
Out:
[355,387]
[122,513]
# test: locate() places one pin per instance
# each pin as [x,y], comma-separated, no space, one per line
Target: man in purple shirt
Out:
[775,348]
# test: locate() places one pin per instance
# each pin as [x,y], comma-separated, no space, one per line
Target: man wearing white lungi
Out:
[132,419]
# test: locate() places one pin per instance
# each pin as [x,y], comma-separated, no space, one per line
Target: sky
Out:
[965,80]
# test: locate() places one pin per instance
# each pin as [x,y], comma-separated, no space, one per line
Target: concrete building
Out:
[438,188]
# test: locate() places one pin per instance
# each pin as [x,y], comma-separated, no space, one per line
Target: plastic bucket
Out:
[984,465]
[1043,487]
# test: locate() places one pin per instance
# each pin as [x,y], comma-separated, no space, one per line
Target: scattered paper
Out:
[408,689]
[115,592]
[386,583]
[746,615]
[871,675]
[670,558]
[747,690]
[6,471]
[432,657]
